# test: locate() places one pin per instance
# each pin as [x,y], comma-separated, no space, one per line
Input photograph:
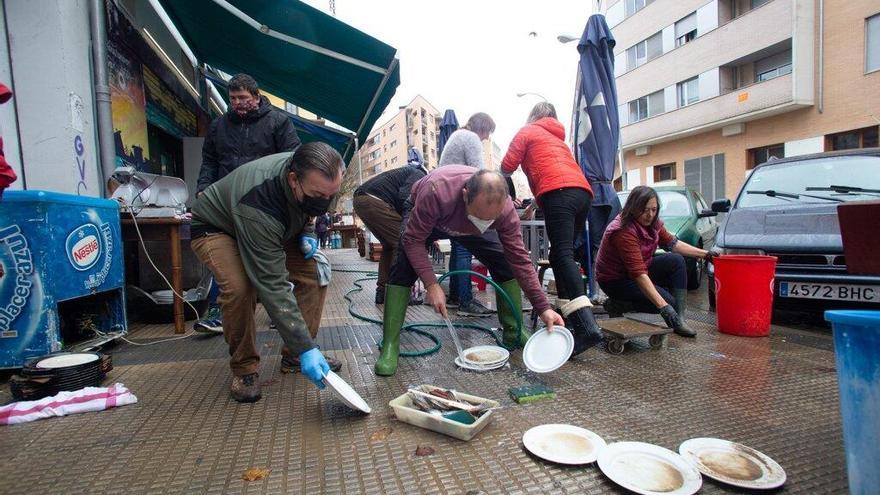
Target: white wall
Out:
[805,146]
[8,122]
[670,98]
[668,38]
[50,53]
[615,14]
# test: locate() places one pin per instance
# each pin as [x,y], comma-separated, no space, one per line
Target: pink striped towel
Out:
[63,403]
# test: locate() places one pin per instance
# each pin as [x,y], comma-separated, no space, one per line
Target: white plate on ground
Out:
[473,367]
[733,463]
[648,469]
[547,351]
[563,444]
[345,393]
[65,360]
[485,355]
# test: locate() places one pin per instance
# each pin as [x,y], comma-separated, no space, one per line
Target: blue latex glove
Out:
[308,245]
[314,366]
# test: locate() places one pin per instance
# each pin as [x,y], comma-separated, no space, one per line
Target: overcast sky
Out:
[474,56]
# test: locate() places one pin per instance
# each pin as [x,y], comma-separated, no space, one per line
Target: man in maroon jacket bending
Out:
[472,207]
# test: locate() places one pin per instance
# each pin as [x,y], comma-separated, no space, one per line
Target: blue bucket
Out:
[857,349]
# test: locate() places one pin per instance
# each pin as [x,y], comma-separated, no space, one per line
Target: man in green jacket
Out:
[242,230]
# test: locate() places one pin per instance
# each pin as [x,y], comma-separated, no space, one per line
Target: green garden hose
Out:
[415,327]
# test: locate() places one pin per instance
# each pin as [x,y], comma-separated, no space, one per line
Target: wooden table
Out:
[171,229]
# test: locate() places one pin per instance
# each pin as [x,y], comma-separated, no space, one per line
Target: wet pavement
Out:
[185,435]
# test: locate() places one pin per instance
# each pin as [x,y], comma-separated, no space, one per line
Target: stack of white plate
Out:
[483,358]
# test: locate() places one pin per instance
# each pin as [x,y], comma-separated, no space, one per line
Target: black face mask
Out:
[313,206]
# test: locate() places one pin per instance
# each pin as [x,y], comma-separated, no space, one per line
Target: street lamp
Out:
[520,95]
[564,38]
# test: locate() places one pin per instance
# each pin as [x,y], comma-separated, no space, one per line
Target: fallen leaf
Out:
[423,450]
[380,435]
[254,474]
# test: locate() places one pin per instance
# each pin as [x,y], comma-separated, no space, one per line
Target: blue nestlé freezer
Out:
[61,274]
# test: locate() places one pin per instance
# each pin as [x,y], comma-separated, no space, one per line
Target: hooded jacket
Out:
[546,160]
[393,186]
[233,140]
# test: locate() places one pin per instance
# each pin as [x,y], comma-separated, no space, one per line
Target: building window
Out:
[394,143]
[391,129]
[686,29]
[706,176]
[664,172]
[688,92]
[633,6]
[644,51]
[377,169]
[773,66]
[375,154]
[872,43]
[758,3]
[393,160]
[858,138]
[763,154]
[374,140]
[646,106]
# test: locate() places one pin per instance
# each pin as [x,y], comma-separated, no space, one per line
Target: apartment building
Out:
[415,124]
[709,89]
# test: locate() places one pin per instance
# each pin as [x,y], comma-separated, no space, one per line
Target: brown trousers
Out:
[238,298]
[384,222]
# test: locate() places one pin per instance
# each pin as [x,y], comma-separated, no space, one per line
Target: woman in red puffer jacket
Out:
[564,194]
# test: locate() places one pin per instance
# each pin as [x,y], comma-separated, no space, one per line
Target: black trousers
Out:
[565,214]
[486,248]
[667,272]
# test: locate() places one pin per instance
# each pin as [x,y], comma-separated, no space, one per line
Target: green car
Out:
[686,216]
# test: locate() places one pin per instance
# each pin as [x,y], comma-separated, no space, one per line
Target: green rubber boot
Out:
[511,338]
[396,301]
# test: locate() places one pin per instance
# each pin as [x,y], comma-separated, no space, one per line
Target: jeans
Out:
[565,215]
[460,285]
[213,292]
[667,272]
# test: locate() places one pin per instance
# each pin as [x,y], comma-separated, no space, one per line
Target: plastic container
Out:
[744,294]
[404,410]
[857,350]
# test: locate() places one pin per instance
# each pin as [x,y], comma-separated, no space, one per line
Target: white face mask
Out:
[479,223]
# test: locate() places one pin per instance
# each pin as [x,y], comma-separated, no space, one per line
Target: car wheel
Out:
[694,272]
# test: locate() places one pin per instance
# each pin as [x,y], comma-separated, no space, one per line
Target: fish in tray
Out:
[441,401]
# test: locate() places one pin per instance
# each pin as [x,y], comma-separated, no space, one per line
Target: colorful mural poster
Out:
[128,106]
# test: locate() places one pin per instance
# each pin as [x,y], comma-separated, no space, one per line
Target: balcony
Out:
[751,102]
[752,32]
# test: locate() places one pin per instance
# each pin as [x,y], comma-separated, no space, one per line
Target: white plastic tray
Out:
[405,412]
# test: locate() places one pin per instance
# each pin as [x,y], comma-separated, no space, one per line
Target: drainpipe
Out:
[821,105]
[106,146]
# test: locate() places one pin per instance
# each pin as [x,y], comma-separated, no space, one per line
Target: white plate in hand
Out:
[733,463]
[345,393]
[648,469]
[547,351]
[563,444]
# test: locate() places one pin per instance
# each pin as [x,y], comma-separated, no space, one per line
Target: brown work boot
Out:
[290,364]
[246,388]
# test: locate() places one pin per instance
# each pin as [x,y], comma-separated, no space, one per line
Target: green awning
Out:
[295,52]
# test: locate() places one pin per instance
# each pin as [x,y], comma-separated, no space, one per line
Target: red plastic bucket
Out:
[744,294]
